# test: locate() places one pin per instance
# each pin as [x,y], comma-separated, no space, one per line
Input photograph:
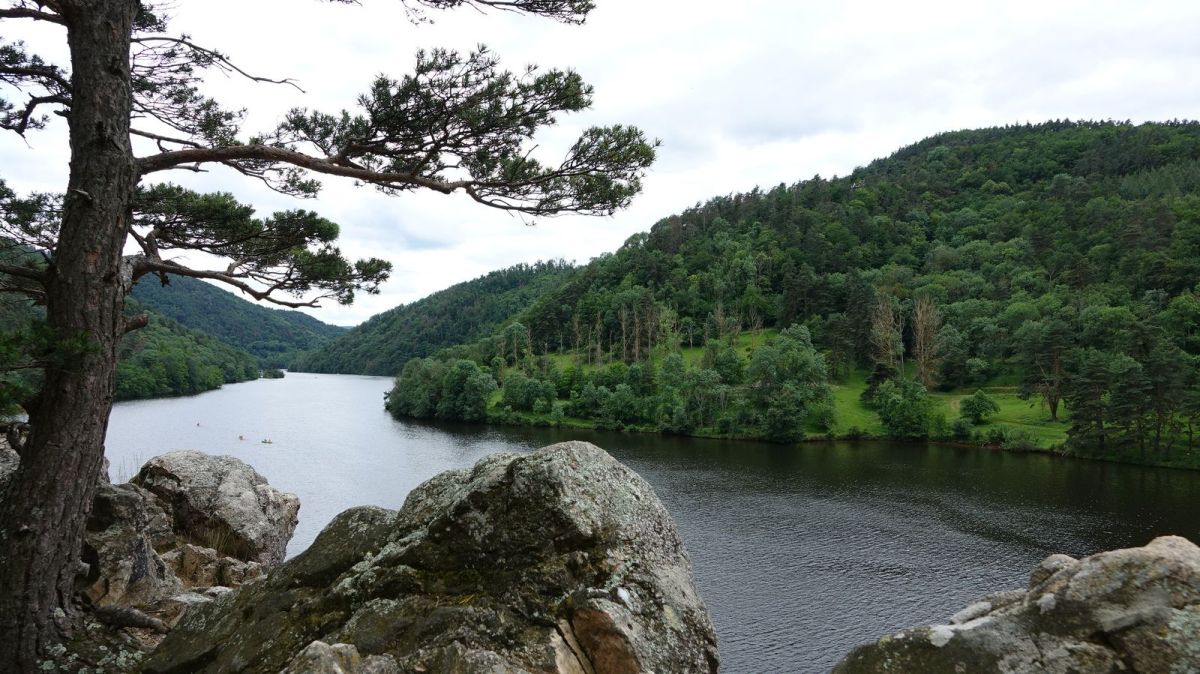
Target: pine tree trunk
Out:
[46,506]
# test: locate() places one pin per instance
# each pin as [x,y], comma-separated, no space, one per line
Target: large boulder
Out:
[562,560]
[1132,610]
[123,568]
[221,503]
[140,567]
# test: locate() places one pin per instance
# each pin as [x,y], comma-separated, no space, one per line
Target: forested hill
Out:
[161,359]
[167,359]
[1000,227]
[461,313]
[274,336]
[1057,260]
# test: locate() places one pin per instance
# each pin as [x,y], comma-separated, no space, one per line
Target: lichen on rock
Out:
[562,560]
[1131,610]
[222,503]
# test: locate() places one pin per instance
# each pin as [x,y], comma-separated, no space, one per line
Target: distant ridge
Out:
[274,336]
[460,313]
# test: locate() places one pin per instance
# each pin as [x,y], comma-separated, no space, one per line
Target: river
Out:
[800,553]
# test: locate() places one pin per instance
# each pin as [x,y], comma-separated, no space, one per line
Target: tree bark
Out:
[46,506]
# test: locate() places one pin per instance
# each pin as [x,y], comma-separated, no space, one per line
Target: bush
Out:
[977,406]
[904,409]
[1018,439]
[961,429]
[1006,437]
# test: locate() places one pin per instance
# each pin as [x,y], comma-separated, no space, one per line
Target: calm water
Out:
[800,553]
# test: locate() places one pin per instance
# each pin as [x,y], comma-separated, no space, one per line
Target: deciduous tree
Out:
[927,323]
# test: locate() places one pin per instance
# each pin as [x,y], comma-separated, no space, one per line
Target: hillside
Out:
[161,359]
[274,336]
[1057,263]
[461,313]
[167,359]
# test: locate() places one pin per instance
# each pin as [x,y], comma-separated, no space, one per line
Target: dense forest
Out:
[163,358]
[166,359]
[461,313]
[274,336]
[1053,264]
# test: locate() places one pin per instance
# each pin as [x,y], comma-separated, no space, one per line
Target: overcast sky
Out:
[744,93]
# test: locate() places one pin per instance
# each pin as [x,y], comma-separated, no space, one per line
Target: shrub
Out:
[977,406]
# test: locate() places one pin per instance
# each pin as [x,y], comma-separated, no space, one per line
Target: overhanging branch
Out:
[143,265]
[267,153]
[23,272]
[29,13]
[216,57]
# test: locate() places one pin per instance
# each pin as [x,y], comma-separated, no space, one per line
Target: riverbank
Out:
[1019,425]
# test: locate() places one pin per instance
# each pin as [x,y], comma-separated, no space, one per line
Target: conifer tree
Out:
[458,123]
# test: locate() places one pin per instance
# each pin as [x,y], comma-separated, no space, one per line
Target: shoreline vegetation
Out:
[684,392]
[993,435]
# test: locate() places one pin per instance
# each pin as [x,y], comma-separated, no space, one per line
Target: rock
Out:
[123,568]
[1132,610]
[9,460]
[123,616]
[1050,566]
[174,608]
[562,560]
[220,502]
[322,658]
[199,567]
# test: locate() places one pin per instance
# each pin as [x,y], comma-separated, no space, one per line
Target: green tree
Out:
[418,389]
[905,409]
[471,136]
[787,381]
[977,406]
[1042,348]
[465,389]
[723,359]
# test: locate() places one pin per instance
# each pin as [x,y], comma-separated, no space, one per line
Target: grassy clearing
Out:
[1027,415]
[854,419]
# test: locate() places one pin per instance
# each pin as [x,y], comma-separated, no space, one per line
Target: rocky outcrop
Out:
[125,530]
[141,567]
[322,658]
[1132,610]
[221,503]
[562,560]
[205,567]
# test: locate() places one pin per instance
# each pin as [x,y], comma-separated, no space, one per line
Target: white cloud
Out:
[742,94]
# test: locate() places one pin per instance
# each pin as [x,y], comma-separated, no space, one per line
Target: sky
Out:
[741,94]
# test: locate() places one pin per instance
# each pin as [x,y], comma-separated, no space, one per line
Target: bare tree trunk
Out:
[624,315]
[46,506]
[927,321]
[637,336]
[885,333]
[599,339]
